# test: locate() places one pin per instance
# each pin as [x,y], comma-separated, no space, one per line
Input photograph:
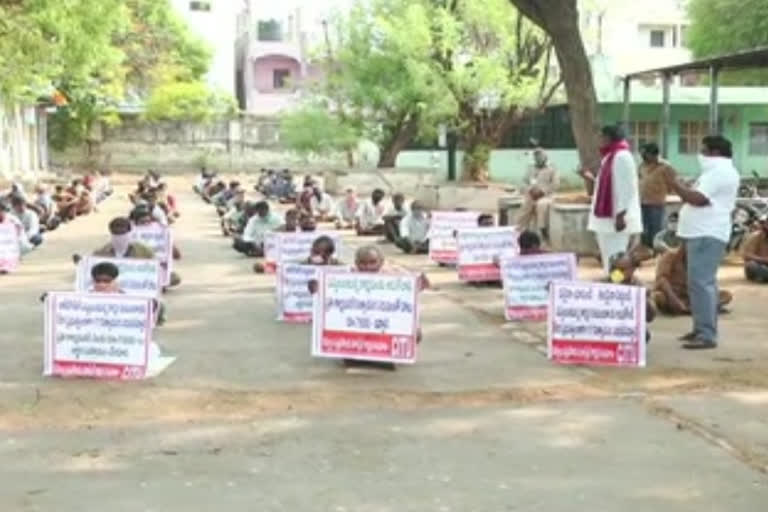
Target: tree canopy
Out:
[725,26]
[95,54]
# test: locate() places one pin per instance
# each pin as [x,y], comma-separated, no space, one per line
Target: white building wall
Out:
[622,31]
[218,27]
[23,152]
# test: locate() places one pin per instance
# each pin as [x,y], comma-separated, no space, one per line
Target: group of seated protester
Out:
[277,185]
[152,193]
[42,211]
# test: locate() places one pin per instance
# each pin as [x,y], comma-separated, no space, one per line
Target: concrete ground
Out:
[247,420]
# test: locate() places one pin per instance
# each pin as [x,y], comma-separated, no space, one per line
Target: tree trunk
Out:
[560,19]
[477,157]
[397,141]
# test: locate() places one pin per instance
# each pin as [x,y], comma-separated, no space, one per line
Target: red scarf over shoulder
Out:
[604,200]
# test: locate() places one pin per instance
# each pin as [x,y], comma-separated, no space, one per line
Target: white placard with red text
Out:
[158,238]
[526,283]
[480,251]
[10,249]
[293,247]
[143,278]
[97,335]
[295,303]
[366,316]
[597,324]
[442,234]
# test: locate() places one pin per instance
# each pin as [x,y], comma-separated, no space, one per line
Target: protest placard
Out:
[142,278]
[526,283]
[597,324]
[97,335]
[293,247]
[158,238]
[10,250]
[270,252]
[371,317]
[294,301]
[480,251]
[442,234]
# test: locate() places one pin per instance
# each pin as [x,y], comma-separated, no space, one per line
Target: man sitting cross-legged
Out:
[670,291]
[414,230]
[755,252]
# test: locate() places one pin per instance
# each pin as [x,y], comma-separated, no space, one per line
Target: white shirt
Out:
[257,227]
[413,229]
[324,205]
[29,221]
[370,215]
[159,215]
[346,211]
[626,197]
[719,182]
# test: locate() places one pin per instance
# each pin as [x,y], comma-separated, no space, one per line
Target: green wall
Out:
[509,165]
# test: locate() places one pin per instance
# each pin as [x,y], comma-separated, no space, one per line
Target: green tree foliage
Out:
[403,67]
[312,130]
[95,52]
[726,26]
[188,101]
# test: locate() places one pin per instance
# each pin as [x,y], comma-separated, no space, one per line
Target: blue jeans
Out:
[653,222]
[704,257]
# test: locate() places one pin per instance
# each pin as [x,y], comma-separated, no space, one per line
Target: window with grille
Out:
[758,138]
[689,138]
[657,38]
[643,132]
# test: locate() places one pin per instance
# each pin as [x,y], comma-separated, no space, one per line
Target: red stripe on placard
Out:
[98,371]
[479,273]
[527,313]
[297,318]
[382,347]
[595,353]
[449,257]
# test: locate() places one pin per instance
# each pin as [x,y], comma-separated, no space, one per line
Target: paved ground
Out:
[246,420]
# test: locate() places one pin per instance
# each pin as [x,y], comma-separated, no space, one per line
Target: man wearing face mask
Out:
[705,227]
[667,240]
[541,181]
[122,244]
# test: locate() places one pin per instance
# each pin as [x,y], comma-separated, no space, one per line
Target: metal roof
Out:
[747,59]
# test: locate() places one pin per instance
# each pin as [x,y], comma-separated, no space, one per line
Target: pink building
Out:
[272,63]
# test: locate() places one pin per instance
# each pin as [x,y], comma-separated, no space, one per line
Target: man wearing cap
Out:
[755,252]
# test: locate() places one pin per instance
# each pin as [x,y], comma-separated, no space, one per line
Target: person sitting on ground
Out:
[29,220]
[251,243]
[203,181]
[285,188]
[622,272]
[84,202]
[122,243]
[393,216]
[414,230]
[232,220]
[307,223]
[667,240]
[6,218]
[265,181]
[221,199]
[322,205]
[670,289]
[66,203]
[304,199]
[212,190]
[755,253]
[530,243]
[346,210]
[370,217]
[157,212]
[321,253]
[167,202]
[45,207]
[141,188]
[292,221]
[102,186]
[105,280]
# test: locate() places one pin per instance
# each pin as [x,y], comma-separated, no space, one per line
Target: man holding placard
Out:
[10,242]
[526,283]
[480,250]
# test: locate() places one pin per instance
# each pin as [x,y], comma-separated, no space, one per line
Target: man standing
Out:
[705,225]
[541,181]
[615,211]
[755,253]
[655,174]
